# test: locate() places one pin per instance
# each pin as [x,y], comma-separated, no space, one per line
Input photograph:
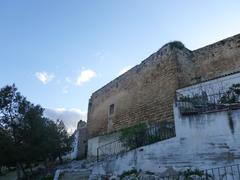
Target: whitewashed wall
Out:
[96,142]
[203,141]
[73,154]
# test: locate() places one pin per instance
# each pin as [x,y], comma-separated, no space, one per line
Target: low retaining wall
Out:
[96,142]
[202,141]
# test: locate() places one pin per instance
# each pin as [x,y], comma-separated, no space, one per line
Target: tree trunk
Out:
[60,159]
[31,170]
[23,171]
[19,172]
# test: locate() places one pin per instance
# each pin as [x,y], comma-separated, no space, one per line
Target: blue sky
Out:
[59,52]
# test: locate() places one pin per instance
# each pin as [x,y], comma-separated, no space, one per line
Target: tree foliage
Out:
[26,136]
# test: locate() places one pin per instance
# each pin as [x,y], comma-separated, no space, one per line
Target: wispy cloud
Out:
[68,80]
[100,55]
[125,69]
[85,76]
[44,77]
[65,90]
[70,117]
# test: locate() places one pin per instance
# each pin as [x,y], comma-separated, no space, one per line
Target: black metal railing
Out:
[154,133]
[231,172]
[111,149]
[203,103]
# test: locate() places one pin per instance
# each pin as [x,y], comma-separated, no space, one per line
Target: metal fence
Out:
[221,173]
[154,133]
[202,103]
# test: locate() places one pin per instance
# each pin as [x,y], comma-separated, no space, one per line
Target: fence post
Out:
[206,175]
[98,154]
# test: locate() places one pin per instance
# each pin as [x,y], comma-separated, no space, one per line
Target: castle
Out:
[147,91]
[150,93]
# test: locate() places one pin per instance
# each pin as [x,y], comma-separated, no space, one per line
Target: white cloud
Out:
[70,117]
[125,69]
[65,90]
[85,76]
[44,77]
[100,55]
[68,80]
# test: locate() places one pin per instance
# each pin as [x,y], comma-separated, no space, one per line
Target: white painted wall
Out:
[203,141]
[74,152]
[93,144]
[96,142]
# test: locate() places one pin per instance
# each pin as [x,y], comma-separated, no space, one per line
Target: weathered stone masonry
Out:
[147,91]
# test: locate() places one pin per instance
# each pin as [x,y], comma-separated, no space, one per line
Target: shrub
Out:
[232,95]
[149,173]
[128,173]
[196,99]
[189,172]
[48,177]
[176,44]
[134,136]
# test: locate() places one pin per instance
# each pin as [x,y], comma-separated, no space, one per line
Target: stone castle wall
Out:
[147,91]
[82,140]
[217,59]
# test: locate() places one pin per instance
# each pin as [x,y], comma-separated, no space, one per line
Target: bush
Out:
[232,95]
[176,44]
[189,172]
[128,173]
[134,136]
[196,99]
[48,177]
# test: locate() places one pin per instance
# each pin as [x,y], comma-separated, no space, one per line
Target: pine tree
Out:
[26,137]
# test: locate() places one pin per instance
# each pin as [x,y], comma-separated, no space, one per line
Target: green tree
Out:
[64,140]
[11,119]
[6,149]
[33,135]
[26,137]
[58,142]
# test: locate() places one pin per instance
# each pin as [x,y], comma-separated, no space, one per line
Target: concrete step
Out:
[73,175]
